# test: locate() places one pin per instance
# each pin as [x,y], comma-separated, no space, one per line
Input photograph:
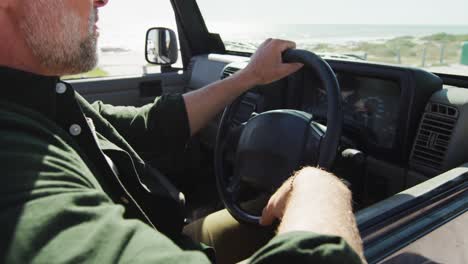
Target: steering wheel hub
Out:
[274,144]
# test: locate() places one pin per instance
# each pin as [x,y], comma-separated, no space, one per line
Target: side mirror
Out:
[161,46]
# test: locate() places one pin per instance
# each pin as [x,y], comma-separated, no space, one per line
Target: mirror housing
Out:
[161,46]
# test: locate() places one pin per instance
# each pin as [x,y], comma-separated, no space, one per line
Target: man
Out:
[68,173]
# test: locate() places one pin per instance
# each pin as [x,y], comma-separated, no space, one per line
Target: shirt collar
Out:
[29,90]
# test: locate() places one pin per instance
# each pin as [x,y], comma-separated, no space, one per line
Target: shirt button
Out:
[124,200]
[60,88]
[75,130]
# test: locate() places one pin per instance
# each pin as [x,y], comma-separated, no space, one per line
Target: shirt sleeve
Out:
[161,126]
[52,209]
[306,247]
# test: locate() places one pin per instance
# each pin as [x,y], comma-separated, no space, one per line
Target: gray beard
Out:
[57,45]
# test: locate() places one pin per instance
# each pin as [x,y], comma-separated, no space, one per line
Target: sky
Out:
[129,13]
[339,11]
[301,11]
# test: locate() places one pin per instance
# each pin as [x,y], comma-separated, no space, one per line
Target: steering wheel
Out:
[273,144]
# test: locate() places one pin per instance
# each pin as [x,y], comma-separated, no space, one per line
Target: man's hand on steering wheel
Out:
[266,64]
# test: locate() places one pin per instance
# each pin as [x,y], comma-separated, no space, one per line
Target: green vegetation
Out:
[434,50]
[95,73]
[444,37]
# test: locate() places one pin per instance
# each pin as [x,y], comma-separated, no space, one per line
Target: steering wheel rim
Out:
[329,142]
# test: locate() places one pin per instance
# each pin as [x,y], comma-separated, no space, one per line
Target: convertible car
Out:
[396,134]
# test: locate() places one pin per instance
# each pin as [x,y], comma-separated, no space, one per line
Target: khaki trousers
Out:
[232,241]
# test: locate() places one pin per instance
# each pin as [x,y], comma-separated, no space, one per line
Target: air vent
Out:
[445,110]
[228,71]
[433,138]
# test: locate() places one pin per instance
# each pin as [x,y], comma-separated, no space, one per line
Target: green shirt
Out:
[62,202]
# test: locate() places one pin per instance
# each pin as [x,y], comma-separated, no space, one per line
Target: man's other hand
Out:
[277,203]
[316,201]
[266,64]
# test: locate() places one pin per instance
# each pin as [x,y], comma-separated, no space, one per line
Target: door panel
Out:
[390,225]
[134,91]
[447,244]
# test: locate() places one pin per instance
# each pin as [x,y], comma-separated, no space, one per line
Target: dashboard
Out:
[382,104]
[370,107]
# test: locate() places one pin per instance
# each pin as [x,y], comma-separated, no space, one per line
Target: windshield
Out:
[418,33]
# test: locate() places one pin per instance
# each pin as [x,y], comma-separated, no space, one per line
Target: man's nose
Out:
[100,3]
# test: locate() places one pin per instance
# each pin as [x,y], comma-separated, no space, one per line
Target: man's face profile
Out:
[61,33]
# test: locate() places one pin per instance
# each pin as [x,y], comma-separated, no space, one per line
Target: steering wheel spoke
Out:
[234,133]
[232,136]
[233,188]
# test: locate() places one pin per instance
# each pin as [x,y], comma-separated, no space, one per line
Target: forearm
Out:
[203,104]
[320,203]
[265,66]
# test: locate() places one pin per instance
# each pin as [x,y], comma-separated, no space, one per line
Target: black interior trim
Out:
[190,21]
[455,80]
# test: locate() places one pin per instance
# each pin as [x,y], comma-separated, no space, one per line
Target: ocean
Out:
[331,34]
[132,38]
